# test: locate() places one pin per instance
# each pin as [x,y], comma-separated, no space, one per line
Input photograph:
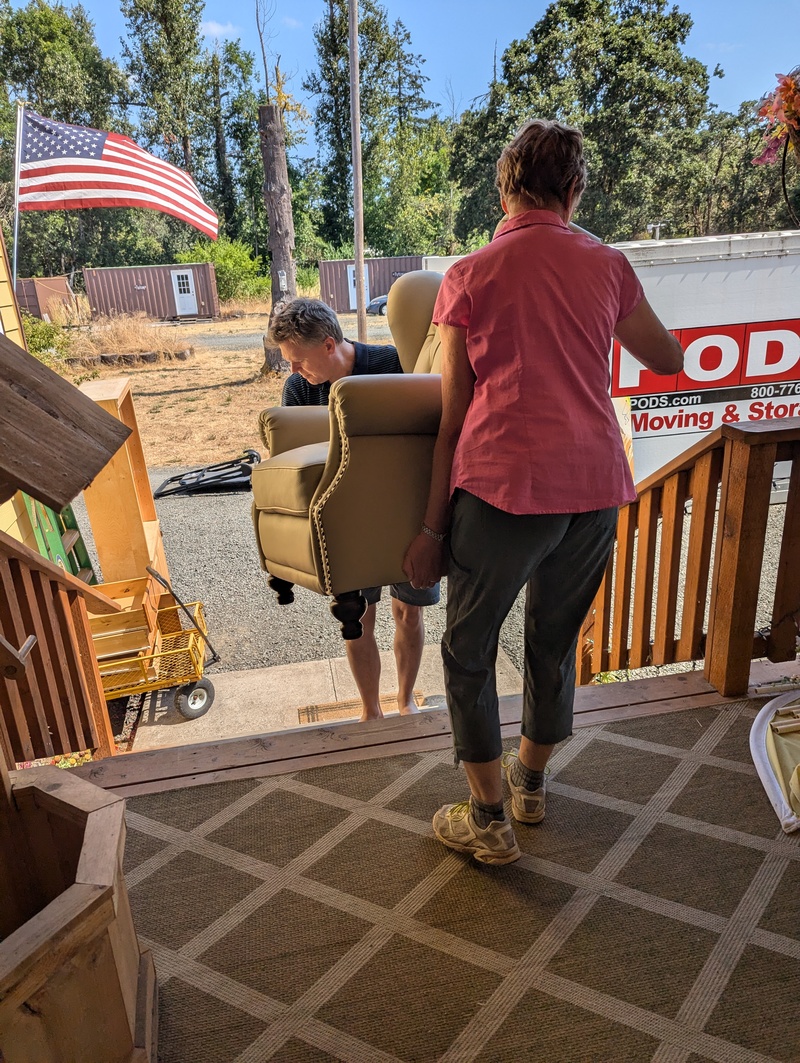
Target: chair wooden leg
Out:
[283,588]
[348,608]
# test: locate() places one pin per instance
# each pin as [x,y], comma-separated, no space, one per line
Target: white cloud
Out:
[217,29]
[291,23]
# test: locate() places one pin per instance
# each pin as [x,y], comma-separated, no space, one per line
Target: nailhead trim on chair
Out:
[316,514]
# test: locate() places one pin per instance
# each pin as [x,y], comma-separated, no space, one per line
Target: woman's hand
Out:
[425,562]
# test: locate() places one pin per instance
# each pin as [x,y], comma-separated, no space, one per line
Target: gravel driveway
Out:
[211,551]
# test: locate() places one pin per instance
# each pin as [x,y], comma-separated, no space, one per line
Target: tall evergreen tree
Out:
[162,52]
[388,99]
[617,70]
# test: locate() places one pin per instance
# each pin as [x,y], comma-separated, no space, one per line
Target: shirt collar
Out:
[361,360]
[531,217]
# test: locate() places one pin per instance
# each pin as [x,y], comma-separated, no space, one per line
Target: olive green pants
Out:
[561,559]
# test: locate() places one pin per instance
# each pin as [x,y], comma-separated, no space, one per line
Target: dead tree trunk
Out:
[278,201]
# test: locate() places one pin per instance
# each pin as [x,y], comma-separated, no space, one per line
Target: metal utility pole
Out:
[358,195]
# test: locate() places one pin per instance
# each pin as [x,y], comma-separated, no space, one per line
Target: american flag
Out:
[71,166]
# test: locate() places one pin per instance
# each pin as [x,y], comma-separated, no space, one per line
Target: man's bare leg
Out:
[409,642]
[365,664]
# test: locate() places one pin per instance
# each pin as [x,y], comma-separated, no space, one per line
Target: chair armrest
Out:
[388,404]
[288,427]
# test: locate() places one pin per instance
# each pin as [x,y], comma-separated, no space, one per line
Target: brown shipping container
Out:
[41,295]
[161,292]
[334,282]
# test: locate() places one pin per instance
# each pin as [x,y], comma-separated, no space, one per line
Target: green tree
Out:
[236,269]
[391,82]
[727,193]
[162,52]
[617,70]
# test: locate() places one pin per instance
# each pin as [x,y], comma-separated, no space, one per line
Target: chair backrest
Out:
[409,310]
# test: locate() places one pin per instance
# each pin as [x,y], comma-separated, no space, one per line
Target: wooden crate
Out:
[74,983]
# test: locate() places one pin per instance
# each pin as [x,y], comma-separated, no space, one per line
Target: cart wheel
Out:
[193,700]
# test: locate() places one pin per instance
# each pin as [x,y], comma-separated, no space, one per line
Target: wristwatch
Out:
[439,537]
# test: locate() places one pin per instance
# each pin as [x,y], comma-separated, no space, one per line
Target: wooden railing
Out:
[662,582]
[51,697]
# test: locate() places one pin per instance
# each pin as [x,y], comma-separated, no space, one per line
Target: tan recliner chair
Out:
[344,490]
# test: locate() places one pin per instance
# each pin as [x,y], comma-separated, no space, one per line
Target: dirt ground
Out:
[206,409]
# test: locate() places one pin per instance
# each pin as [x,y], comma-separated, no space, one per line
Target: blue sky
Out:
[750,40]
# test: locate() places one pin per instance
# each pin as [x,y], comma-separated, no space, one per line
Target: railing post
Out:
[746,489]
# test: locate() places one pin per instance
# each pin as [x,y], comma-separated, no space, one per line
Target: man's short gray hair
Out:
[304,321]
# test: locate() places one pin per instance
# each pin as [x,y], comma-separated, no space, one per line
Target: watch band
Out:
[439,537]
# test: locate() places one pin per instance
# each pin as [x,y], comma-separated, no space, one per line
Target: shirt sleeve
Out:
[453,305]
[631,290]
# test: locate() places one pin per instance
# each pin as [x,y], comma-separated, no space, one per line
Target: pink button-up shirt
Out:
[539,305]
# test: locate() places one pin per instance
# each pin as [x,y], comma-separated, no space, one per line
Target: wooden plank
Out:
[746,490]
[41,947]
[431,727]
[16,734]
[673,500]
[643,583]
[782,639]
[101,723]
[146,1036]
[623,580]
[43,659]
[78,738]
[55,440]
[75,665]
[703,489]
[33,683]
[602,620]
[583,650]
[11,548]
[101,837]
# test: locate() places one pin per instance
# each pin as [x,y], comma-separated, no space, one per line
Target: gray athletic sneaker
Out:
[455,826]
[527,806]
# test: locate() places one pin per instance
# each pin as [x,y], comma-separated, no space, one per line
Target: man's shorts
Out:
[404,593]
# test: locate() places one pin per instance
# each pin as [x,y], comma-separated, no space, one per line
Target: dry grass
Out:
[77,313]
[125,334]
[206,410]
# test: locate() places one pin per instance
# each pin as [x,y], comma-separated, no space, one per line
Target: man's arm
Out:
[649,342]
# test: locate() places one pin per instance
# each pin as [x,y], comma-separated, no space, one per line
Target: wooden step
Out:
[69,538]
[85,574]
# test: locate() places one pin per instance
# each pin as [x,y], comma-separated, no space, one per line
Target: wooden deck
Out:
[280,752]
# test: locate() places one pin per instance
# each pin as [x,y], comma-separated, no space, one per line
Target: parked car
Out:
[378,305]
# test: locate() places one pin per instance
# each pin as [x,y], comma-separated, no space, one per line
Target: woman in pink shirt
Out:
[529,469]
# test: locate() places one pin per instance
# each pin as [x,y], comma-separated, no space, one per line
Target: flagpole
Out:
[17,163]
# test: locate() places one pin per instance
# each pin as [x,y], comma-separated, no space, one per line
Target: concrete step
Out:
[262,700]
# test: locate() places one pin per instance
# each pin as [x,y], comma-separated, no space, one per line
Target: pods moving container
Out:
[337,285]
[163,292]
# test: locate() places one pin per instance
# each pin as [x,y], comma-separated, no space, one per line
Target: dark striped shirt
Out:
[370,358]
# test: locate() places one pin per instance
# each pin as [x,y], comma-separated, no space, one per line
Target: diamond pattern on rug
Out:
[642,957]
[410,1000]
[313,917]
[667,863]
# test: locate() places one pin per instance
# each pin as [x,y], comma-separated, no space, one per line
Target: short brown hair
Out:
[541,162]
[304,321]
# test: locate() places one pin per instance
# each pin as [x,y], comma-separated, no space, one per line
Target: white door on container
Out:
[183,286]
[351,286]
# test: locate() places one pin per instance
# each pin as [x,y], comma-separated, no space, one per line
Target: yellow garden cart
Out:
[178,658]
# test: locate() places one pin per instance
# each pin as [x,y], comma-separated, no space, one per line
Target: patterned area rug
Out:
[312,917]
